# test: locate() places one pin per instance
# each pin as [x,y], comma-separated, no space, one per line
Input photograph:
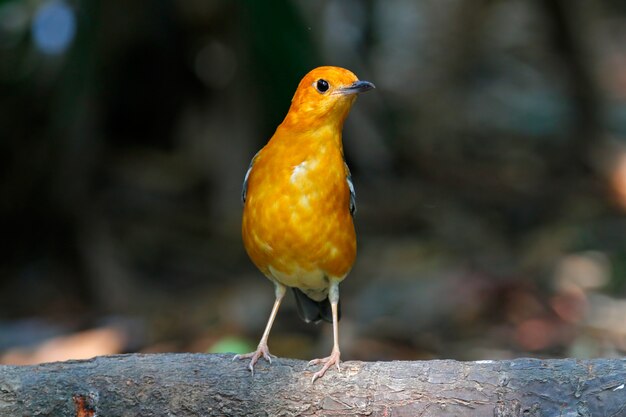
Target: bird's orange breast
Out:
[297,227]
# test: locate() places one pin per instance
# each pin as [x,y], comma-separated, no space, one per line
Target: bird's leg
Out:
[262,349]
[333,359]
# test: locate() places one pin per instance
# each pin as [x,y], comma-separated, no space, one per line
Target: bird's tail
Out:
[313,311]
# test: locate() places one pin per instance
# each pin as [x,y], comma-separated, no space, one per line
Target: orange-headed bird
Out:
[298,204]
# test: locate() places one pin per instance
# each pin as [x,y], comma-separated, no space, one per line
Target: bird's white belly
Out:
[302,279]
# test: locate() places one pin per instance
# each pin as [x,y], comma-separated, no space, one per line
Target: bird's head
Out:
[325,96]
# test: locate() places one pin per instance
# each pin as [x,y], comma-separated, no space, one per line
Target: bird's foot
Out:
[261,351]
[328,361]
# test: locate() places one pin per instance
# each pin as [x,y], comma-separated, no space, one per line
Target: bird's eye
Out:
[322,85]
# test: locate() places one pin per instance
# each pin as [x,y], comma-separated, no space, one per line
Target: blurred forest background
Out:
[489,164]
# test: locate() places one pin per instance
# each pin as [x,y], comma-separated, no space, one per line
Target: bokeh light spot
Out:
[54,27]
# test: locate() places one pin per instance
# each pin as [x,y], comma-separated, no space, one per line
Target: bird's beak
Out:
[357,87]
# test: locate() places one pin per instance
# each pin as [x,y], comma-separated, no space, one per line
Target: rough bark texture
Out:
[214,385]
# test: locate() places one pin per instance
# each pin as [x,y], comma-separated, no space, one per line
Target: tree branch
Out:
[214,385]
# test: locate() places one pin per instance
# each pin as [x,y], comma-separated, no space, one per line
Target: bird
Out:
[299,202]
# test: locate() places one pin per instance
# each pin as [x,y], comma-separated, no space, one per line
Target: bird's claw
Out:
[261,352]
[328,361]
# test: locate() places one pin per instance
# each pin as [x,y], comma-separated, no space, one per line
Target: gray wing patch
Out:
[244,190]
[352,192]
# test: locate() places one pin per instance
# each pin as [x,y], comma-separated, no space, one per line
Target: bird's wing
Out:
[352,192]
[244,189]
